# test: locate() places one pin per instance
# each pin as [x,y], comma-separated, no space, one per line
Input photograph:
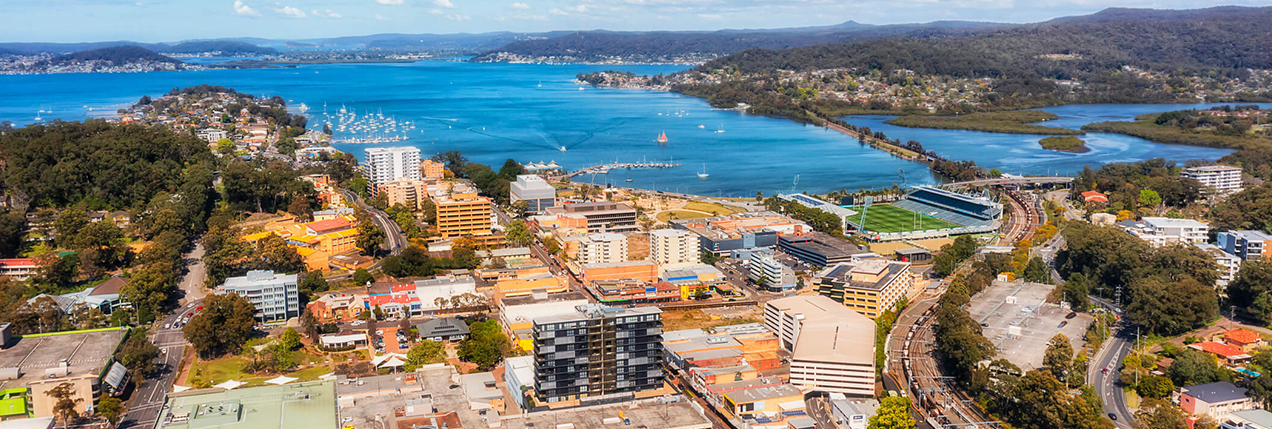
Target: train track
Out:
[913,364]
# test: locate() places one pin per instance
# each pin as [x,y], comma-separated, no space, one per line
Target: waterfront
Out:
[491,112]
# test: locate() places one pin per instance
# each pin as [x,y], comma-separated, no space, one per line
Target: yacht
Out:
[703,174]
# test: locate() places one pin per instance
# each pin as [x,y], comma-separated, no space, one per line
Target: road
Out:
[1110,357]
[818,409]
[394,240]
[148,397]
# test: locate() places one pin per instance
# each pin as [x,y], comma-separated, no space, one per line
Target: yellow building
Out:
[869,287]
[462,214]
[406,192]
[526,284]
[769,402]
[430,169]
[316,242]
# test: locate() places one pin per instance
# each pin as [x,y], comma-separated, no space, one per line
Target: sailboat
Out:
[562,149]
[703,174]
[541,84]
[721,130]
[662,138]
[37,116]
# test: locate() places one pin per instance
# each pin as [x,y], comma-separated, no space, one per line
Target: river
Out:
[528,112]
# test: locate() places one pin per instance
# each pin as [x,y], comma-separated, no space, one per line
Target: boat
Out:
[629,180]
[541,84]
[37,116]
[703,174]
[662,138]
[701,127]
[721,130]
[580,88]
[562,149]
[303,108]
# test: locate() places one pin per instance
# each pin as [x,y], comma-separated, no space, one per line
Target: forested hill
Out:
[115,55]
[223,47]
[602,45]
[1216,38]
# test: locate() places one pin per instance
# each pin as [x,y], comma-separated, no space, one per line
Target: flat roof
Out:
[838,333]
[763,393]
[590,311]
[1263,418]
[1250,235]
[1160,222]
[843,272]
[1212,168]
[688,334]
[647,414]
[1216,392]
[86,352]
[310,405]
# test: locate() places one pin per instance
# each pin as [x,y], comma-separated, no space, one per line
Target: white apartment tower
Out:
[603,248]
[673,246]
[386,164]
[1216,179]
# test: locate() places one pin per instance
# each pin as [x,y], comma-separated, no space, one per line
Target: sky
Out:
[175,20]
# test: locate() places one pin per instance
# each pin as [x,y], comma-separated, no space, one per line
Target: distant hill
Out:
[115,55]
[591,45]
[225,47]
[1231,38]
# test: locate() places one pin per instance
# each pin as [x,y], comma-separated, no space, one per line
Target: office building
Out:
[769,273]
[1215,179]
[19,269]
[1161,231]
[674,246]
[869,287]
[602,248]
[275,296]
[431,169]
[308,405]
[723,235]
[386,164]
[820,249]
[1228,263]
[536,192]
[407,192]
[1246,244]
[462,214]
[832,346]
[601,216]
[599,352]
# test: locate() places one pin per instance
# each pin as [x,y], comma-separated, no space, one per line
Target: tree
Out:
[424,353]
[1037,271]
[312,283]
[370,237]
[110,408]
[1193,367]
[1252,282]
[137,353]
[225,146]
[361,277]
[1149,198]
[65,405]
[1076,291]
[223,326]
[1155,386]
[486,344]
[278,256]
[894,413]
[1158,414]
[517,234]
[310,324]
[1058,358]
[290,339]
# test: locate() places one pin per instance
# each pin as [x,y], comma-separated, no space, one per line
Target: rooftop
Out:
[852,274]
[1249,235]
[1261,418]
[763,393]
[1216,392]
[309,405]
[1165,222]
[1211,168]
[645,414]
[257,278]
[442,327]
[592,311]
[86,352]
[838,332]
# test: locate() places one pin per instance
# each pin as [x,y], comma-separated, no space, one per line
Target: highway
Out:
[394,240]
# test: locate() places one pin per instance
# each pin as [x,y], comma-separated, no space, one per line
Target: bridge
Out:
[1013,181]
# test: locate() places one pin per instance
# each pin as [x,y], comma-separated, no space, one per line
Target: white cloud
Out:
[556,11]
[290,11]
[391,2]
[579,8]
[436,11]
[520,6]
[444,3]
[458,17]
[379,17]
[327,13]
[138,4]
[243,9]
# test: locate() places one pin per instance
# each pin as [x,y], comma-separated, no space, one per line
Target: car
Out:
[347,419]
[189,314]
[453,386]
[167,326]
[199,308]
[1113,416]
[1071,315]
[984,325]
[379,332]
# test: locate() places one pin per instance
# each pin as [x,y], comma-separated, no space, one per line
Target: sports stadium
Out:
[927,212]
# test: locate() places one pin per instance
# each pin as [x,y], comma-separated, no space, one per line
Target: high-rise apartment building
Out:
[406,192]
[602,248]
[1215,179]
[1246,244]
[386,164]
[431,169]
[674,246]
[276,296]
[597,351]
[869,287]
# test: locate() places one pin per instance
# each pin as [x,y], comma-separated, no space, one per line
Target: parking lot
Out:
[1017,319]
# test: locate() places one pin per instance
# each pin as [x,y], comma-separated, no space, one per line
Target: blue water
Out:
[1021,153]
[492,112]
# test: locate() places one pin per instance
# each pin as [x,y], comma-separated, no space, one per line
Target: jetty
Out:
[605,168]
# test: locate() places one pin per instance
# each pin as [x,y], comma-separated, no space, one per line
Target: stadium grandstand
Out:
[928,212]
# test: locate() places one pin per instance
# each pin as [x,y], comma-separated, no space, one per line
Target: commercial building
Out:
[1228,263]
[597,353]
[1215,179]
[1161,231]
[601,216]
[1246,244]
[386,164]
[423,297]
[33,366]
[764,405]
[723,235]
[853,414]
[276,296]
[674,246]
[443,329]
[519,379]
[309,405]
[832,346]
[869,287]
[407,192]
[639,271]
[517,314]
[769,273]
[1214,400]
[602,248]
[431,169]
[820,249]
[462,214]
[536,192]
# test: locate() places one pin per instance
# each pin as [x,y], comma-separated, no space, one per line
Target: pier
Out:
[605,168]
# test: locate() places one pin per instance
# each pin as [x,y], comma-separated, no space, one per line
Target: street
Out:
[818,408]
[1107,385]
[394,240]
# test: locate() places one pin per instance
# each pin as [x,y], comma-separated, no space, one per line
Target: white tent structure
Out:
[389,360]
[281,380]
[179,388]
[230,385]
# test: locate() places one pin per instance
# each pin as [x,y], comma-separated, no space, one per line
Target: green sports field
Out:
[889,219]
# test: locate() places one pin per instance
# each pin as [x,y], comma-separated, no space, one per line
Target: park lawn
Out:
[719,209]
[669,215]
[311,373]
[890,219]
